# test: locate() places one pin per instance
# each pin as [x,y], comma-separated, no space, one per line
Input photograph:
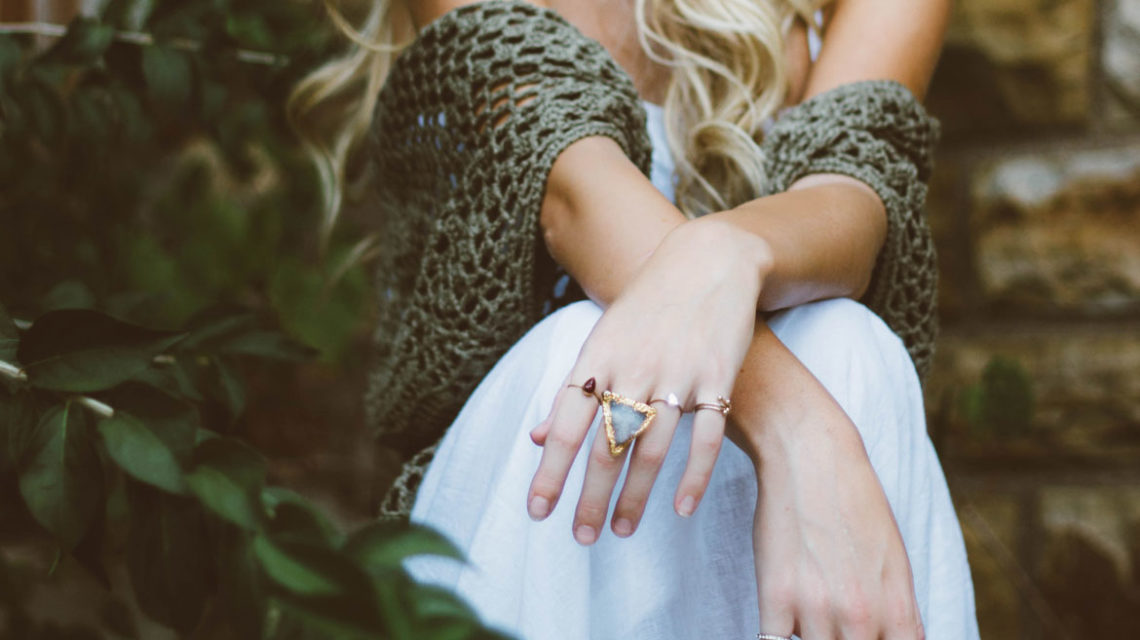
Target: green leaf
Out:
[69,294]
[169,558]
[268,344]
[214,325]
[292,517]
[171,419]
[62,478]
[18,421]
[86,39]
[298,567]
[227,388]
[83,351]
[141,453]
[228,477]
[171,378]
[321,585]
[167,74]
[9,337]
[385,544]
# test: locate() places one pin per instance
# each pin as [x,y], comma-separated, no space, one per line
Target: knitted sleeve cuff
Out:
[877,132]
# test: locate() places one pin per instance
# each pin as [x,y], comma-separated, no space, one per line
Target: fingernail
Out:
[623,527]
[585,534]
[686,507]
[538,508]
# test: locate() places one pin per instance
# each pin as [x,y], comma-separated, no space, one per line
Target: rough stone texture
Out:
[1120,58]
[1059,231]
[1090,556]
[1085,380]
[626,421]
[1015,63]
[945,211]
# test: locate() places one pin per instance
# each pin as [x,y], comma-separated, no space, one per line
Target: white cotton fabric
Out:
[675,578]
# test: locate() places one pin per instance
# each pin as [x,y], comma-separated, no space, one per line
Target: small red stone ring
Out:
[589,387]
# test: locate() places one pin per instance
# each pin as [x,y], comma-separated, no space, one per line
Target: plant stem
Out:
[101,409]
[12,372]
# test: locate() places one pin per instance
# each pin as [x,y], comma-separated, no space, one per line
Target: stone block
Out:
[1059,231]
[1086,573]
[1120,59]
[1012,64]
[1085,394]
[945,208]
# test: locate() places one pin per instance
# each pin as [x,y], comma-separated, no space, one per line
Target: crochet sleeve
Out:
[467,126]
[877,132]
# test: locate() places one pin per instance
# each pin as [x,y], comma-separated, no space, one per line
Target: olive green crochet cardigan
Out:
[466,129]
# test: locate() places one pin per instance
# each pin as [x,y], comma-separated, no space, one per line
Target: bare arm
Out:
[823,234]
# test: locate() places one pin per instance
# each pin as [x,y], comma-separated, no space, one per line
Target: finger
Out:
[775,584]
[569,423]
[649,450]
[538,433]
[708,434]
[602,471]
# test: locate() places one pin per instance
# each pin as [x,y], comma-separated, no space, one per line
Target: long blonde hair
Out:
[728,77]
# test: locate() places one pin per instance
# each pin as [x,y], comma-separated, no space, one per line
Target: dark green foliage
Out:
[204,527]
[83,351]
[60,474]
[156,212]
[169,170]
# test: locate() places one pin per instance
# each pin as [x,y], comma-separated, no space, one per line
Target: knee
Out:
[850,350]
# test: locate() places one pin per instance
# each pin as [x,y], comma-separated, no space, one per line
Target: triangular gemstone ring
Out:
[625,419]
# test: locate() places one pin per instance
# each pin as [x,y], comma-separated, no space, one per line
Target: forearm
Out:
[823,235]
[602,219]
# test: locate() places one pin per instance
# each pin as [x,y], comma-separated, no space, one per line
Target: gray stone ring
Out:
[624,419]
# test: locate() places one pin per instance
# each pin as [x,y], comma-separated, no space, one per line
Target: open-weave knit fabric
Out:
[467,126]
[875,131]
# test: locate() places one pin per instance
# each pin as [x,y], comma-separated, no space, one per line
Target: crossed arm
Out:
[704,279]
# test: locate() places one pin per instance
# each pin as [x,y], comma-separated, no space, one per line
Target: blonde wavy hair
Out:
[728,76]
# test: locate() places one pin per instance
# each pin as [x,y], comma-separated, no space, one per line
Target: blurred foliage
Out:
[169,170]
[159,223]
[1002,402]
[143,457]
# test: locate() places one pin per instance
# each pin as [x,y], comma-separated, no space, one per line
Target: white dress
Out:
[675,578]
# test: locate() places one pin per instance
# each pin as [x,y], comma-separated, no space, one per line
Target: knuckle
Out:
[707,446]
[652,457]
[855,615]
[562,440]
[591,513]
[780,596]
[601,456]
[698,477]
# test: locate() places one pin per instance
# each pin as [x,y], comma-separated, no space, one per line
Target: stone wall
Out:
[1034,400]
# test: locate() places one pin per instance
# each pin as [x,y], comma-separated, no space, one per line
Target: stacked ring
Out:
[722,404]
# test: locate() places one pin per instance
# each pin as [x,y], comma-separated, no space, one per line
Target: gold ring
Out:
[670,401]
[722,404]
[588,388]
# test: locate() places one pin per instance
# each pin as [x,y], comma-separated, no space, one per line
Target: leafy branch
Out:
[92,405]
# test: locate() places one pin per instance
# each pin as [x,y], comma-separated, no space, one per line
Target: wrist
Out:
[751,254]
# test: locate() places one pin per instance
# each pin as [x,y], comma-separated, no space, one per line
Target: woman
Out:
[744,289]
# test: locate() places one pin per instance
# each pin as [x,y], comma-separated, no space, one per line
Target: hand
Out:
[830,561]
[681,326]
